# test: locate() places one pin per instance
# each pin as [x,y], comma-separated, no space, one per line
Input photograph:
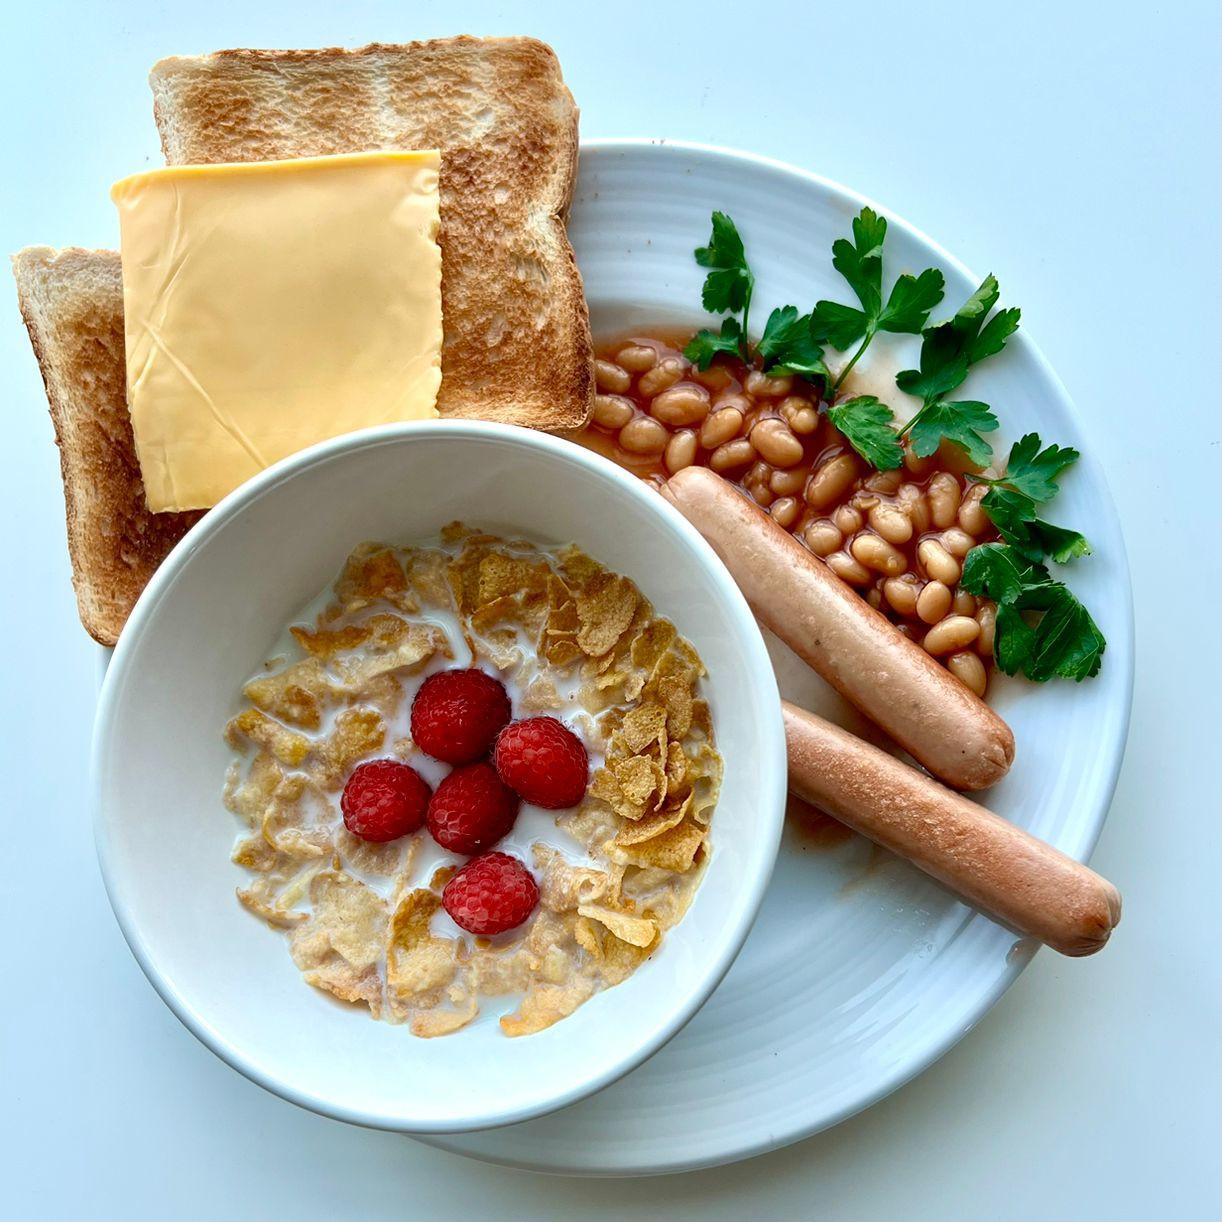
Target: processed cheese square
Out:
[271,305]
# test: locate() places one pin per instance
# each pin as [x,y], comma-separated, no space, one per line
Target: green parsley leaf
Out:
[993,335]
[1012,639]
[788,345]
[1059,542]
[867,425]
[727,289]
[706,344]
[839,325]
[943,366]
[1032,470]
[912,297]
[960,423]
[1066,641]
[1015,517]
[860,261]
[949,349]
[997,571]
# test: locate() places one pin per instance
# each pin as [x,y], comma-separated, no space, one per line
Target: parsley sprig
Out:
[1042,630]
[860,262]
[948,351]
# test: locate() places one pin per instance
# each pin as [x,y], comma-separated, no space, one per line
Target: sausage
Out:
[893,681]
[996,867]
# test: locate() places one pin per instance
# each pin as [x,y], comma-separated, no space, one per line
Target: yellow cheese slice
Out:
[271,305]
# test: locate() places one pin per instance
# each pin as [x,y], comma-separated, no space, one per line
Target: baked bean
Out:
[886,482]
[972,516]
[877,554]
[901,593]
[788,483]
[831,481]
[612,412]
[763,387]
[934,602]
[611,378]
[785,511]
[848,569]
[637,358]
[643,436]
[681,405]
[964,603]
[986,617]
[758,473]
[938,562]
[917,466]
[875,599]
[848,521]
[914,503]
[734,399]
[715,377]
[865,501]
[680,451]
[660,377]
[774,440]
[823,537]
[799,414]
[761,495]
[969,670]
[720,427]
[733,454]
[944,497]
[955,632]
[891,522]
[957,542]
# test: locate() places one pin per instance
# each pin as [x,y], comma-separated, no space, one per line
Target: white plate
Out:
[859,972]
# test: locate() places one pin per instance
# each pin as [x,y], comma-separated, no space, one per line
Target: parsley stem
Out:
[746,338]
[844,373]
[916,416]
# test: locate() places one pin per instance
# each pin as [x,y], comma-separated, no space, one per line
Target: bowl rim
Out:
[772,777]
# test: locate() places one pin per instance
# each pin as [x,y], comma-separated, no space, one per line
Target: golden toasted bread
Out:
[517,333]
[72,303]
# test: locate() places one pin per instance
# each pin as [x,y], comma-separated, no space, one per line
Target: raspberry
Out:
[457,714]
[491,894]
[384,800]
[543,762]
[471,809]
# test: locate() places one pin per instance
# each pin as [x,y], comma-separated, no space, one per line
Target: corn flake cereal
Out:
[364,920]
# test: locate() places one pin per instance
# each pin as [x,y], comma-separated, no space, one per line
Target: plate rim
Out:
[1121,655]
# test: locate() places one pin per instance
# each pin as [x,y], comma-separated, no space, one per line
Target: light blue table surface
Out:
[1071,148]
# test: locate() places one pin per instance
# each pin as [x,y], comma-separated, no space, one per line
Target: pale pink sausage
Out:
[995,866]
[856,649]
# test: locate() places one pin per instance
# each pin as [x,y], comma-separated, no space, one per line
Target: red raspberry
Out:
[542,761]
[457,714]
[491,894]
[471,809]
[384,800]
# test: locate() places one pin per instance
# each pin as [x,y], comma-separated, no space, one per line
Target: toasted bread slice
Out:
[517,331]
[72,303]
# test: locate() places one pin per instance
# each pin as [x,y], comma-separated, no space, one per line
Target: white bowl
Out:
[205,623]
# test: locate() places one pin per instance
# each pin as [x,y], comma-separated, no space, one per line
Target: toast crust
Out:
[506,125]
[72,304]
